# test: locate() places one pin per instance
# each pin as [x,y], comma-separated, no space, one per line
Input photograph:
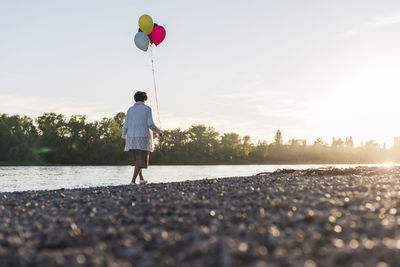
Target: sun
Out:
[363,106]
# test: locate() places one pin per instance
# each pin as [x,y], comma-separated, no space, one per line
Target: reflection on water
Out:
[42,178]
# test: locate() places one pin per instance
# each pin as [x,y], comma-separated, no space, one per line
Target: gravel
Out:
[315,217]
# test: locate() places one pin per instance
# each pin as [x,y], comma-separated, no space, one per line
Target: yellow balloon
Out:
[146,24]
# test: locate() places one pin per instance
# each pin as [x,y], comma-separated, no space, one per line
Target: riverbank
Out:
[330,217]
[242,162]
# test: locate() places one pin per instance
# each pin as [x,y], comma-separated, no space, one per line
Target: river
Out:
[22,178]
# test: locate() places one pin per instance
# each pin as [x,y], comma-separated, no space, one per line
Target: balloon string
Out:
[154,82]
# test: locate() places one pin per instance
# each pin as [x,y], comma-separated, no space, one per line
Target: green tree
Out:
[278,138]
[202,143]
[53,135]
[245,146]
[230,145]
[120,119]
[17,138]
[260,151]
[110,130]
[172,147]
[4,137]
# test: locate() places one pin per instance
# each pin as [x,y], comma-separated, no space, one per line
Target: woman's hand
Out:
[123,143]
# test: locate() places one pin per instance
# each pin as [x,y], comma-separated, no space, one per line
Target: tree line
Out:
[54,139]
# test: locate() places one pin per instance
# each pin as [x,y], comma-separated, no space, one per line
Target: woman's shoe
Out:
[132,183]
[143,182]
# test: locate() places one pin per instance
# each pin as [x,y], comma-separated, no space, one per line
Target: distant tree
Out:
[340,142]
[172,140]
[278,138]
[52,131]
[337,143]
[202,142]
[18,137]
[259,151]
[120,119]
[110,130]
[371,145]
[52,138]
[4,137]
[293,143]
[349,143]
[319,142]
[75,127]
[245,146]
[230,145]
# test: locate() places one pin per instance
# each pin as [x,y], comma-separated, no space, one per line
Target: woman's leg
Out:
[135,173]
[141,175]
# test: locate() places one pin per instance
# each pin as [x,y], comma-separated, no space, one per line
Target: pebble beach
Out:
[314,217]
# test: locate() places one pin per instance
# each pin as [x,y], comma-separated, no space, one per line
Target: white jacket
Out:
[138,128]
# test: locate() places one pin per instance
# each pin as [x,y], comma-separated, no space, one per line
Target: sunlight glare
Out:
[363,106]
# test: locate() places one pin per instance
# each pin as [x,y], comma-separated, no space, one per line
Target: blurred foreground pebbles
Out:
[315,217]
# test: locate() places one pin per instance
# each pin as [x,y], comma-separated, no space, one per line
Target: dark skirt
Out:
[139,158]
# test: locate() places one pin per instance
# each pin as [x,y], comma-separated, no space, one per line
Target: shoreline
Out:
[56,183]
[313,217]
[43,164]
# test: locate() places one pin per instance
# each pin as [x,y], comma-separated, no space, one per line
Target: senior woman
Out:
[137,135]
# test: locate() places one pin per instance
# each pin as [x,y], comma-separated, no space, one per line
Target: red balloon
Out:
[158,34]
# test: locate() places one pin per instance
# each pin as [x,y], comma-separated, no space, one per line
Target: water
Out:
[24,178]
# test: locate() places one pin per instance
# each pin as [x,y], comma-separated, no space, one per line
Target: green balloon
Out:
[146,24]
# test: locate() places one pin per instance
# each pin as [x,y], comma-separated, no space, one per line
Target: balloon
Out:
[142,41]
[149,35]
[158,34]
[146,24]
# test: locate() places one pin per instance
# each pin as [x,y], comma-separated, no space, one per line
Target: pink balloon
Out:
[158,34]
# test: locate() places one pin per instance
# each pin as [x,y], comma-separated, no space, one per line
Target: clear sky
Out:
[309,68]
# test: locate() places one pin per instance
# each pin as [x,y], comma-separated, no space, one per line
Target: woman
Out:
[137,135]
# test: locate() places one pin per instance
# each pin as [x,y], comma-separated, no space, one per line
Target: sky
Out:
[310,68]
